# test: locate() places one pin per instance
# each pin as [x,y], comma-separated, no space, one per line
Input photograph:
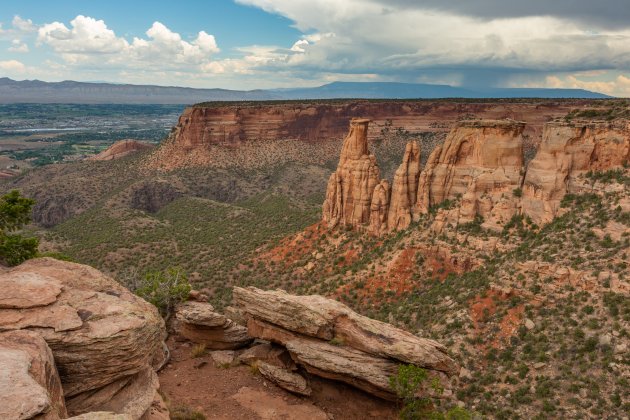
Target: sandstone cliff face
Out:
[481,161]
[357,197]
[350,188]
[567,152]
[211,135]
[232,124]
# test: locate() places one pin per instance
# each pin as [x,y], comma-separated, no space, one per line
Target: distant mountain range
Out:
[35,91]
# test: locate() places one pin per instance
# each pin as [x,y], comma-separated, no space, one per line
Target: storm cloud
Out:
[602,13]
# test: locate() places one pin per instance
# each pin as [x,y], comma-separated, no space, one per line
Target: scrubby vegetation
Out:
[15,213]
[411,384]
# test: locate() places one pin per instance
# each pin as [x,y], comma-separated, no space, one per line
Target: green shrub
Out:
[164,289]
[406,385]
[15,212]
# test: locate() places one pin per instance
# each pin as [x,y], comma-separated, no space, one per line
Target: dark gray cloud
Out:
[601,13]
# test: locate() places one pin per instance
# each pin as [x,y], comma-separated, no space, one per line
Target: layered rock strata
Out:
[106,342]
[121,149]
[328,339]
[350,187]
[357,197]
[481,162]
[566,153]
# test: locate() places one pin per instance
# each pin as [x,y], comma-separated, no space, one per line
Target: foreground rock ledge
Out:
[326,319]
[105,341]
[29,383]
[328,339]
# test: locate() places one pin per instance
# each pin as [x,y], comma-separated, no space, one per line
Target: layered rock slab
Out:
[330,340]
[285,379]
[29,384]
[326,319]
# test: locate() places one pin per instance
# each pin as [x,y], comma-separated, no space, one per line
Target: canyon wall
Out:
[481,166]
[259,134]
[311,121]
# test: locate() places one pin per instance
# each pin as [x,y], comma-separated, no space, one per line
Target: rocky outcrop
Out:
[121,149]
[51,211]
[481,161]
[568,151]
[330,340]
[199,323]
[106,341]
[355,195]
[404,189]
[151,196]
[350,188]
[29,383]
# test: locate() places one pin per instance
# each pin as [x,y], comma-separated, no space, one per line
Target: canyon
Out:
[494,246]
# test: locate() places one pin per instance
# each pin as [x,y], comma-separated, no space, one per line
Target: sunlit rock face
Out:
[567,152]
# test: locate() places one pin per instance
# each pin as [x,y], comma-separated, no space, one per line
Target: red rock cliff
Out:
[208,135]
[567,152]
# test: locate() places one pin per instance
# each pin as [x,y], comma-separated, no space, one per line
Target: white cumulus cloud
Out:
[90,41]
[12,66]
[23,25]
[18,46]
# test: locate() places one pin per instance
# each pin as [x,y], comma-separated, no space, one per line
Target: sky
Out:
[250,44]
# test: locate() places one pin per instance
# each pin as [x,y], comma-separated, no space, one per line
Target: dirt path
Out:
[236,393]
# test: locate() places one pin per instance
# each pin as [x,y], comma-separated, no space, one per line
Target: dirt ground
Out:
[237,392]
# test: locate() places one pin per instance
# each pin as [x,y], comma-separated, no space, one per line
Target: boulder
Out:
[104,338]
[326,319]
[29,384]
[199,323]
[285,379]
[268,353]
[223,358]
